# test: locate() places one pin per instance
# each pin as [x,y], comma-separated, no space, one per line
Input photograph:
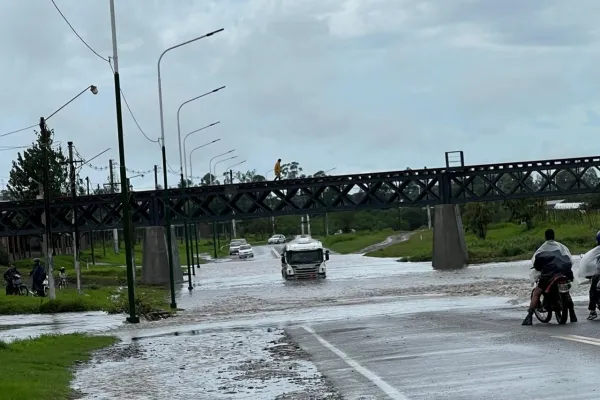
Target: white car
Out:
[245,251]
[234,246]
[276,239]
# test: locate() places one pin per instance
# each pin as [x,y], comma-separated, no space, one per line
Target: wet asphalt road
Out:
[365,328]
[456,355]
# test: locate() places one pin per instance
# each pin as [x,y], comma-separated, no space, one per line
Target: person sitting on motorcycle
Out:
[62,275]
[39,275]
[9,276]
[595,279]
[556,260]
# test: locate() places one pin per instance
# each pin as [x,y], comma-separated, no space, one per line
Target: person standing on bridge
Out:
[277,170]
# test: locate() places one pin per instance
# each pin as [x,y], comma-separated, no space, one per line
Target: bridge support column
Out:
[449,246]
[155,261]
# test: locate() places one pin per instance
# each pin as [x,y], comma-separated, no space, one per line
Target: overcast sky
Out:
[360,85]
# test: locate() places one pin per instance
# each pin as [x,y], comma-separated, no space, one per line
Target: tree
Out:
[207,178]
[477,217]
[526,210]
[28,169]
[188,183]
[291,170]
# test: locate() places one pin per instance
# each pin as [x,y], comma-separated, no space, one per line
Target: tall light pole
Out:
[210,164]
[192,152]
[219,162]
[182,166]
[182,163]
[47,237]
[133,318]
[164,162]
[188,135]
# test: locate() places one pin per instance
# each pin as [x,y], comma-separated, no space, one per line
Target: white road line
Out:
[580,339]
[392,392]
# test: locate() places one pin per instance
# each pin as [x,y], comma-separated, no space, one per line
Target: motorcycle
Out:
[18,287]
[45,287]
[556,298]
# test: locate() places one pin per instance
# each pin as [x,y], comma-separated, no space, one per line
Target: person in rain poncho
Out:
[552,258]
[589,268]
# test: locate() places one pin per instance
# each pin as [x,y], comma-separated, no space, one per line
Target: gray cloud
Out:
[360,85]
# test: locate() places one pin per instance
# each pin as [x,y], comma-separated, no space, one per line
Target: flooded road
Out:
[374,329]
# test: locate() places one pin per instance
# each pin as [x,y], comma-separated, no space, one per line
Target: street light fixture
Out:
[196,148]
[234,165]
[185,138]
[210,163]
[219,162]
[329,170]
[164,163]
[47,237]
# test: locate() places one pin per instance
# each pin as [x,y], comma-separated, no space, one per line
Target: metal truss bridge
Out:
[379,190]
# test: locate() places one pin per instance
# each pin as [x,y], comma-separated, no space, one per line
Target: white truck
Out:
[304,258]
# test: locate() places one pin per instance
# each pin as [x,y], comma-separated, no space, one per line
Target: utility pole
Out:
[90,233]
[46,219]
[112,190]
[133,318]
[75,234]
[156,177]
[102,232]
[233,230]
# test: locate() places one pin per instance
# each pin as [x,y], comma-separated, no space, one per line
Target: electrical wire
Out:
[77,34]
[129,108]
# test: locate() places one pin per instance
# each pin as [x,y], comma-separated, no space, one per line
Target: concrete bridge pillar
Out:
[449,246]
[155,260]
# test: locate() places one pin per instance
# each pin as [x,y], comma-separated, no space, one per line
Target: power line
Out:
[108,60]
[129,109]
[77,34]
[18,130]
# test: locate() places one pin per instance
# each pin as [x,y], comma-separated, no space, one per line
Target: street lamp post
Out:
[192,152]
[210,164]
[45,136]
[233,230]
[164,162]
[133,318]
[185,138]
[219,162]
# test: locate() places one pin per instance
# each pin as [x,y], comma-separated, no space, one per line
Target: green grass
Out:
[351,242]
[42,368]
[110,299]
[504,242]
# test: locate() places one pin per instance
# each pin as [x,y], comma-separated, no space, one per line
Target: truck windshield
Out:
[304,257]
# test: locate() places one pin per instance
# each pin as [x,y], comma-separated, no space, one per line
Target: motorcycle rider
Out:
[9,276]
[590,269]
[555,260]
[62,275]
[39,275]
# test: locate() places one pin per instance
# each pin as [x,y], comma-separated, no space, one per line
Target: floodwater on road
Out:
[245,333]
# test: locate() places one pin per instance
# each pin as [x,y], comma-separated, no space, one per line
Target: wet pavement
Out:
[455,354]
[375,328]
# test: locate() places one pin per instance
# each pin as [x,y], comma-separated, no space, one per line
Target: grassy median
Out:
[504,242]
[42,368]
[347,243]
[110,299]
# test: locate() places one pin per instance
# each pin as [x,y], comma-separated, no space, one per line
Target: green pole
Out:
[187,238]
[215,239]
[191,233]
[168,228]
[197,245]
[133,318]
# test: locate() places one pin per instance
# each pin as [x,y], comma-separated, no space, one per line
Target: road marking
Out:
[380,383]
[580,339]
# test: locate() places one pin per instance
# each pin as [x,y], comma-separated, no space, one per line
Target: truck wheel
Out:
[322,276]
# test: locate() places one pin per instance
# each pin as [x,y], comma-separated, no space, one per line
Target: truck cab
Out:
[304,258]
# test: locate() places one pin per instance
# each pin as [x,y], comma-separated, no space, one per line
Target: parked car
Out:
[245,251]
[234,246]
[276,239]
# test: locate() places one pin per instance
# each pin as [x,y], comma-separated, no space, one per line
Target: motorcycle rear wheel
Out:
[23,291]
[563,315]
[540,312]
